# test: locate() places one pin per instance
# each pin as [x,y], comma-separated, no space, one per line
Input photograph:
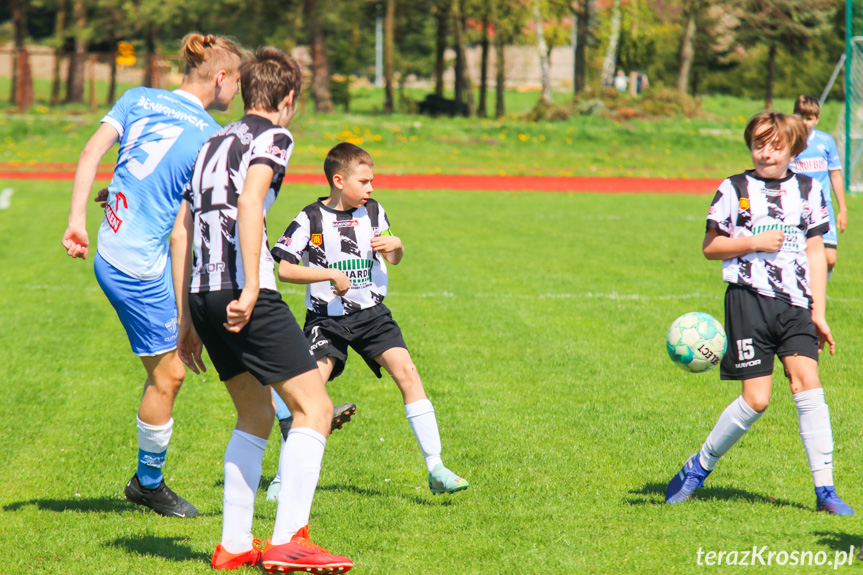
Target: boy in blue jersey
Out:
[159,133]
[820,160]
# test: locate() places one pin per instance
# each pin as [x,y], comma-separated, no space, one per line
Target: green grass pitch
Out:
[538,324]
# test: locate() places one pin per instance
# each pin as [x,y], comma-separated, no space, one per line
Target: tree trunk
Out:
[771,74]
[150,74]
[463,88]
[687,52]
[389,55]
[610,62]
[482,110]
[112,80]
[60,38]
[583,35]
[19,76]
[320,64]
[442,18]
[77,60]
[542,48]
[500,71]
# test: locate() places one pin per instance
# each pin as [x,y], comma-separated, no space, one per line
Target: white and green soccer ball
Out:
[696,341]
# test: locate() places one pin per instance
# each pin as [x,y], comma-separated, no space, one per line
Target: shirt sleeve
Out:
[118,114]
[832,153]
[293,243]
[722,209]
[272,148]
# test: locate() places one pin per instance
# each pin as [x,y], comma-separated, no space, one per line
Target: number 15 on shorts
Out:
[745,350]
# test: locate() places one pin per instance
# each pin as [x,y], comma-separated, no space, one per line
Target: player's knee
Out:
[757,401]
[831,258]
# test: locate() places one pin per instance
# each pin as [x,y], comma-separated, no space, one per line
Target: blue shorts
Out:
[147,309]
[831,238]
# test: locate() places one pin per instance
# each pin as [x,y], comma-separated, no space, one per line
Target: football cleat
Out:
[273,489]
[225,561]
[341,415]
[827,501]
[689,480]
[300,554]
[442,480]
[161,499]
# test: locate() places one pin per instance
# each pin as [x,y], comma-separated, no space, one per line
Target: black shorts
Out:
[758,328]
[370,332]
[271,346]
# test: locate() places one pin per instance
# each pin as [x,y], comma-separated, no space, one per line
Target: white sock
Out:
[278,476]
[736,420]
[154,438]
[243,459]
[300,468]
[422,420]
[816,433]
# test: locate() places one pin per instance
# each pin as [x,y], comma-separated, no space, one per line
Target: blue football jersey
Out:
[160,135]
[816,161]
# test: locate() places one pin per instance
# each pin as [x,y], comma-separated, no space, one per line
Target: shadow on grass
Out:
[839,541]
[719,493]
[437,502]
[168,548]
[92,505]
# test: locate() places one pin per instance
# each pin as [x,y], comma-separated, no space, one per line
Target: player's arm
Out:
[719,247]
[391,247]
[75,238]
[189,345]
[303,275]
[837,182]
[818,286]
[250,229]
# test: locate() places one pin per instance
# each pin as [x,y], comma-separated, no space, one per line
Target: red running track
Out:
[460,182]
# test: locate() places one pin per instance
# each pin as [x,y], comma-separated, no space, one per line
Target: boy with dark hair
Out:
[345,242]
[820,160]
[766,225]
[229,299]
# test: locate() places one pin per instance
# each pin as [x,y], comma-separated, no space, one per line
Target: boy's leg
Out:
[815,430]
[831,254]
[243,458]
[165,374]
[421,417]
[300,466]
[735,420]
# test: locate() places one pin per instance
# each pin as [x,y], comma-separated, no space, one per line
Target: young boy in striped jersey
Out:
[820,160]
[766,226]
[345,242]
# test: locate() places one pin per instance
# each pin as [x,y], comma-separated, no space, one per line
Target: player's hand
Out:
[76,242]
[386,244]
[341,283]
[189,347]
[824,335]
[240,310]
[842,220]
[769,241]
[102,197]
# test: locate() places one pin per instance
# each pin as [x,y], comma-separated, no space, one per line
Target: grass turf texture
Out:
[537,322]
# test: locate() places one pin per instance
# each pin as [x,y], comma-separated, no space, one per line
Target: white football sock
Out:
[736,420]
[422,420]
[300,468]
[278,476]
[154,438]
[243,459]
[816,433]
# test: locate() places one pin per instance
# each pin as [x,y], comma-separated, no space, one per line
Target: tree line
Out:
[691,46]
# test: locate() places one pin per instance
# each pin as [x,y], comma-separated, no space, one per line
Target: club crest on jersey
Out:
[345,224]
[317,239]
[744,204]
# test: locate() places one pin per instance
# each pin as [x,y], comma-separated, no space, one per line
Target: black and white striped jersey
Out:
[746,205]
[325,238]
[217,182]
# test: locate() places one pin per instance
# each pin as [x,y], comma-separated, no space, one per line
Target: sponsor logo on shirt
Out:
[277,151]
[317,239]
[345,224]
[359,271]
[810,165]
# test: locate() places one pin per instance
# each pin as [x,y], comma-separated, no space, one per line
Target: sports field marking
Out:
[6,198]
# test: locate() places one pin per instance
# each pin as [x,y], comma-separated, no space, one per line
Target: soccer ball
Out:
[696,341]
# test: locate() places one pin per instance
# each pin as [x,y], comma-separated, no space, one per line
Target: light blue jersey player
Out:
[159,133]
[820,160]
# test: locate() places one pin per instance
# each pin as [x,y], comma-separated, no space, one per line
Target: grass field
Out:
[537,322]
